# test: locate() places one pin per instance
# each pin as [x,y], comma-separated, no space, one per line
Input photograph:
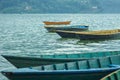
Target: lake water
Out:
[24,34]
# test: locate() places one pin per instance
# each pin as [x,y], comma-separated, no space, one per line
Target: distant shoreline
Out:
[52,13]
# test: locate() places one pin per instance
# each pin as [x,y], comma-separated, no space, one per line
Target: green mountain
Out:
[59,6]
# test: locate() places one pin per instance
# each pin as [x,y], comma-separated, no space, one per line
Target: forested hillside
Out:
[59,6]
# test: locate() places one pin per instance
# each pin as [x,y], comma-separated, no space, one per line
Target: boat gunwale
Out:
[46,59]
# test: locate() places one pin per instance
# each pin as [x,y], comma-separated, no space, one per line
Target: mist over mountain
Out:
[59,6]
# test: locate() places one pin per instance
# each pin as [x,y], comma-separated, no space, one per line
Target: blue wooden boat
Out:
[91,35]
[112,76]
[53,28]
[93,69]
[26,61]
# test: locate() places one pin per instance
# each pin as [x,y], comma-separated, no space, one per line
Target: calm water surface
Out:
[24,34]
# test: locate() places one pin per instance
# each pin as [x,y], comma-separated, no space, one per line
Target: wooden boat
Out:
[56,23]
[68,28]
[112,76]
[91,35]
[93,69]
[27,61]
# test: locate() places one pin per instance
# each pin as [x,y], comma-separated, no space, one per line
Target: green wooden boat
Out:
[93,69]
[112,76]
[27,61]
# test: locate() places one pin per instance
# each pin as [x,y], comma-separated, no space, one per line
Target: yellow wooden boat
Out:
[56,23]
[112,76]
[91,35]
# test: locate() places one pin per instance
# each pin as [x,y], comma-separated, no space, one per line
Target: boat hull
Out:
[59,75]
[98,37]
[66,35]
[30,61]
